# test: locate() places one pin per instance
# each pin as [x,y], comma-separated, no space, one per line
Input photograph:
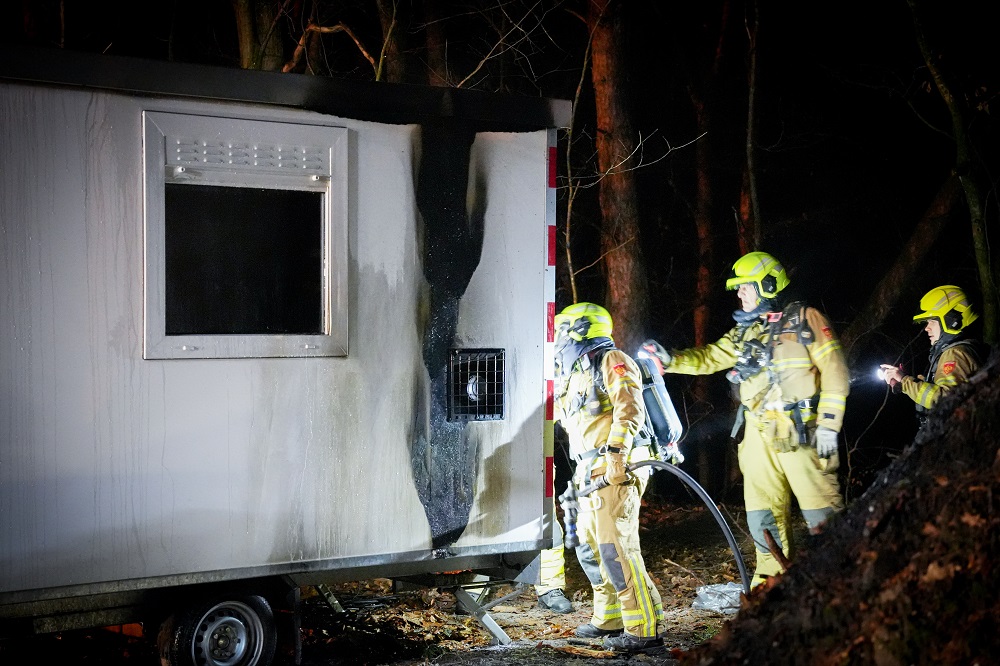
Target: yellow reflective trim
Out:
[624,381]
[608,613]
[926,395]
[797,362]
[644,600]
[826,349]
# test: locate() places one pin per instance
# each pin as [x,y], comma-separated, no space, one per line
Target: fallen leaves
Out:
[973,520]
[584,652]
[937,571]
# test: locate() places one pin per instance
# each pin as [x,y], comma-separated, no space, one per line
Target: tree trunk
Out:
[970,186]
[257,35]
[627,297]
[701,90]
[436,45]
[392,65]
[889,288]
[705,195]
[750,212]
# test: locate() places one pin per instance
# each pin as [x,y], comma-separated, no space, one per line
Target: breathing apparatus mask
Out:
[745,318]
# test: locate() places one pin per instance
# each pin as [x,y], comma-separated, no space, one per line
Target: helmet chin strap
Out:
[944,339]
[763,307]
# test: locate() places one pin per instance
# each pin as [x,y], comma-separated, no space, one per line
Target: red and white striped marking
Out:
[550,310]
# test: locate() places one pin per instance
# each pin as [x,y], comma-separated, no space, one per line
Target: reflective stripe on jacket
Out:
[801,368]
[955,365]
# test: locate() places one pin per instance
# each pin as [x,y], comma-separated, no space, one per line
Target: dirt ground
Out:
[684,549]
[683,546]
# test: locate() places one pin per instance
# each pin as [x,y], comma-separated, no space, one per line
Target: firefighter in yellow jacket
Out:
[954,357]
[793,384]
[598,402]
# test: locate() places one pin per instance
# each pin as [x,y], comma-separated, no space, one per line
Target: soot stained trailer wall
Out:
[143,442]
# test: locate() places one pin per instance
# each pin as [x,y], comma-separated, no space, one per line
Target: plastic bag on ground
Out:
[722,598]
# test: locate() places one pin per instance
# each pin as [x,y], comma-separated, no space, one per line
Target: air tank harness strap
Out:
[593,453]
[586,462]
[800,412]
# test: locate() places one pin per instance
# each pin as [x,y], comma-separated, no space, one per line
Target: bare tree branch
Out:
[300,47]
[501,46]
[386,41]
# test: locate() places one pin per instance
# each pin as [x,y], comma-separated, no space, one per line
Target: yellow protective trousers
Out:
[608,527]
[552,564]
[769,479]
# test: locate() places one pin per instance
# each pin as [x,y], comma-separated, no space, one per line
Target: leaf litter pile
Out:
[909,573]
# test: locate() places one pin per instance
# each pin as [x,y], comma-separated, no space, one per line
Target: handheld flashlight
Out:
[894,384]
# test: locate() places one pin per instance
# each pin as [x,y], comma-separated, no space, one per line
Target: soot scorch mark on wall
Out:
[443,457]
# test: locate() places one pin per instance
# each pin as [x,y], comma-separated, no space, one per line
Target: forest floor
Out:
[684,549]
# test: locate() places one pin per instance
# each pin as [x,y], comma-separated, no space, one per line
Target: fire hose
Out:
[568,501]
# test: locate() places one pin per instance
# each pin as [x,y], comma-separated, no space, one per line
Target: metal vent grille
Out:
[476,385]
[247,156]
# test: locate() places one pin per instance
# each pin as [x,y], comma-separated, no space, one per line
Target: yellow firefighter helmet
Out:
[582,321]
[762,270]
[949,305]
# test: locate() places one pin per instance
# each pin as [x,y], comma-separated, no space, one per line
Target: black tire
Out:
[225,631]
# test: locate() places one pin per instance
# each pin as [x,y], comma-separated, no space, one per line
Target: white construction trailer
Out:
[262,331]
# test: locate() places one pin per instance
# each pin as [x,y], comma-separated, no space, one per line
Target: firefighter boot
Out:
[555,601]
[590,631]
[629,643]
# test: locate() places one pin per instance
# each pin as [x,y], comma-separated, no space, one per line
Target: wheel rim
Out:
[228,634]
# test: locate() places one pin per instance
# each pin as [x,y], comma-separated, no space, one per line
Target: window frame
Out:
[203,149]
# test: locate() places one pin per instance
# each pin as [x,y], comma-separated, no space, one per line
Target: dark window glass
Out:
[243,260]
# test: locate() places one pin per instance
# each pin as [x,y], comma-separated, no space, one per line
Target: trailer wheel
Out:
[227,632]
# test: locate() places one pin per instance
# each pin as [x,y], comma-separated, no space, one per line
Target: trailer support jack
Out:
[472,607]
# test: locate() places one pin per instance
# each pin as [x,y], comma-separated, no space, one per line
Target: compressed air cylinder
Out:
[662,414]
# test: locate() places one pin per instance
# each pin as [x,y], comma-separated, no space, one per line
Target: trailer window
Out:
[246,241]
